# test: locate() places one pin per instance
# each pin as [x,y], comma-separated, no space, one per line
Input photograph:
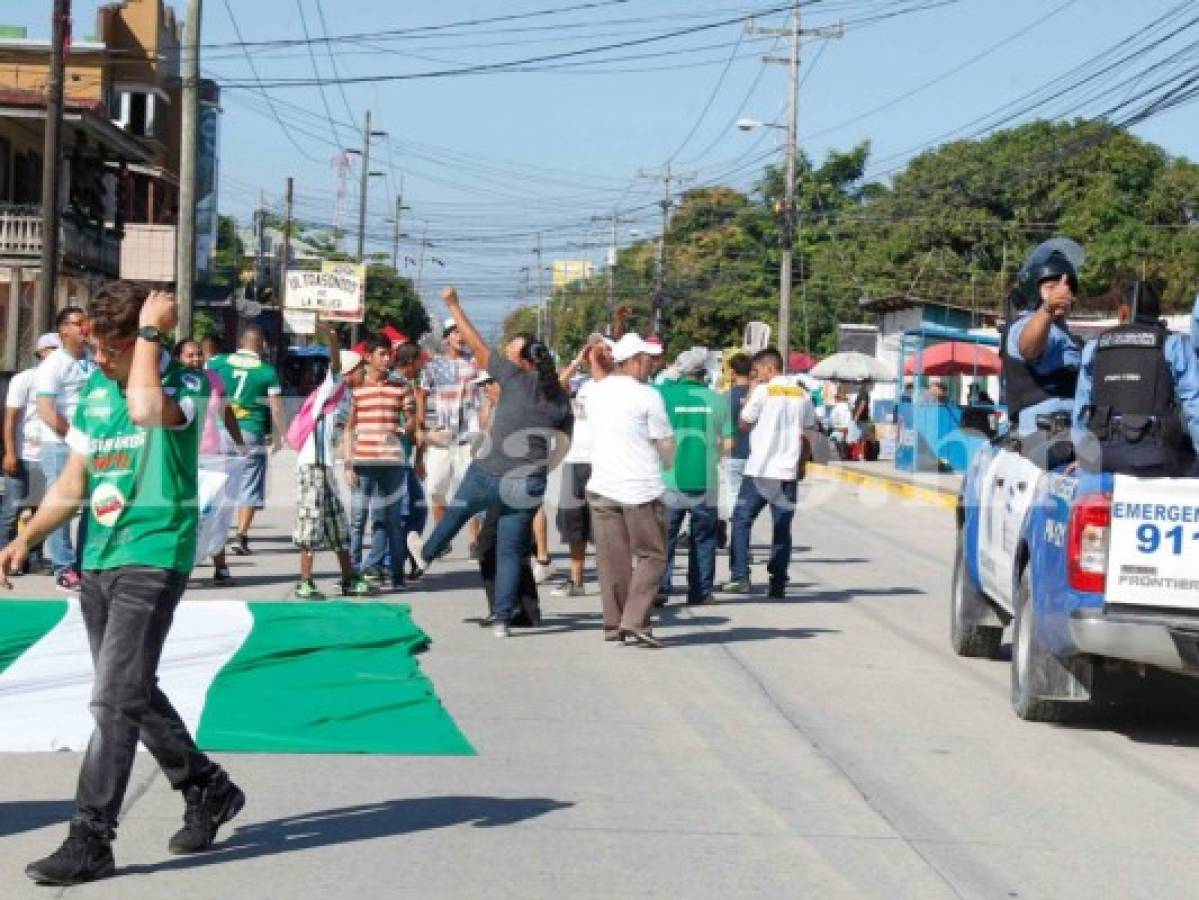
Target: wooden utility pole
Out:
[658,300]
[284,265]
[395,227]
[43,310]
[185,240]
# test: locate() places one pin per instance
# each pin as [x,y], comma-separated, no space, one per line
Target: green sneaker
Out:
[372,576]
[306,590]
[736,586]
[356,587]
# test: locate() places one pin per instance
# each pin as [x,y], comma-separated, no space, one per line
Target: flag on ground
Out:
[336,677]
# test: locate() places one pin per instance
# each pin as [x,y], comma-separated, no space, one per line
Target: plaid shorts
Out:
[320,516]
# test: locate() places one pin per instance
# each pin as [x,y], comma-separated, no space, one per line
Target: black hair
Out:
[375,342]
[407,354]
[741,364]
[536,352]
[65,313]
[769,357]
[181,345]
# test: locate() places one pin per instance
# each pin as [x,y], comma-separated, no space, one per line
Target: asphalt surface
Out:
[829,745]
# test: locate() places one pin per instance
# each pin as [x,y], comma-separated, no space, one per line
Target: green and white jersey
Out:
[249,381]
[141,482]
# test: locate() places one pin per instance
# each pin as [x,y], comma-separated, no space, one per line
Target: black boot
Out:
[209,806]
[86,855]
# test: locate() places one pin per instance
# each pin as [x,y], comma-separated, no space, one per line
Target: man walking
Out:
[24,482]
[778,412]
[741,368]
[631,445]
[134,444]
[702,430]
[254,389]
[60,380]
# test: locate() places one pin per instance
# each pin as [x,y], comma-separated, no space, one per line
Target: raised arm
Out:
[149,405]
[474,340]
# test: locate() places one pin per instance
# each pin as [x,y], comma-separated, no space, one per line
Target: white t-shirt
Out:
[62,377]
[779,411]
[627,418]
[326,429]
[22,396]
[581,439]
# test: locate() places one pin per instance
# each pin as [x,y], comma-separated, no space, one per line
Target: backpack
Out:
[304,422]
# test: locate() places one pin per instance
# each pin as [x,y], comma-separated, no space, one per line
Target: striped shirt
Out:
[379,417]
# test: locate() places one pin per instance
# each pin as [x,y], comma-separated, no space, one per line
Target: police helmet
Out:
[1049,262]
[1144,299]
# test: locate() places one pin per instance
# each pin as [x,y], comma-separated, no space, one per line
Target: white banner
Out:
[337,291]
[1154,542]
[299,321]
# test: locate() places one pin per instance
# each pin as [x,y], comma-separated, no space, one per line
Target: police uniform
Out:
[1044,385]
[1138,396]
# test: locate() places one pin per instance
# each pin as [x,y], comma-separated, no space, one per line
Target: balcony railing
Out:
[85,246]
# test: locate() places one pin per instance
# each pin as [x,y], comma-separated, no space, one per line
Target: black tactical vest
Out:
[1024,387]
[1134,412]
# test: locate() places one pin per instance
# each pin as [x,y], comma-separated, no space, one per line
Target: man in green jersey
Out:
[702,429]
[254,389]
[133,465]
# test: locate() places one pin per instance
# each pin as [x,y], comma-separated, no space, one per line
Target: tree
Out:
[391,300]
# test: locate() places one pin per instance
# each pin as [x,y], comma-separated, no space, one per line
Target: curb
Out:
[895,486]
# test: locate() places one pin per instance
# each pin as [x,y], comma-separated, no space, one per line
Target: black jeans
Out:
[128,613]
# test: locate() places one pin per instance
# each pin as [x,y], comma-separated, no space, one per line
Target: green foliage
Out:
[521,319]
[202,326]
[391,300]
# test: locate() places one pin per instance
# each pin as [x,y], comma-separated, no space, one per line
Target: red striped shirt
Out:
[379,417]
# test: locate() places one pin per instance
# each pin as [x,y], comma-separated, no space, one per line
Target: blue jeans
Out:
[735,474]
[381,493]
[755,495]
[701,545]
[517,497]
[63,554]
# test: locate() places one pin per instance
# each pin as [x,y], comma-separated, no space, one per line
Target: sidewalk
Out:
[933,487]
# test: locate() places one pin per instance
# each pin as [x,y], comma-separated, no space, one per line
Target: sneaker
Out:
[307,590]
[568,589]
[543,571]
[614,635]
[501,630]
[643,637]
[241,546]
[86,855]
[355,587]
[736,586]
[209,806]
[68,581]
[373,576]
[416,546]
[778,590]
[221,578]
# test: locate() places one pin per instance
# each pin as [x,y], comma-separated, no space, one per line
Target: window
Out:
[138,113]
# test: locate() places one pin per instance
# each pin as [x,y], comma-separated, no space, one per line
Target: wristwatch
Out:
[150,333]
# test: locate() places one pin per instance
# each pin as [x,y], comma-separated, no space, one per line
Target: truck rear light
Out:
[1087,545]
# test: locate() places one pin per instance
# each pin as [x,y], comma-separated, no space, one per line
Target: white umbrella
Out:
[851,366]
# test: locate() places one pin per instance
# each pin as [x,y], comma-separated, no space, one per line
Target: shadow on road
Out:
[1160,709]
[796,594]
[349,824]
[17,816]
[739,635]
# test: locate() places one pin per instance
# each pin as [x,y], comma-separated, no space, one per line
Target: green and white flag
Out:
[334,677]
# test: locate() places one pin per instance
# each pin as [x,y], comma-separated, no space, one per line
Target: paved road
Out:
[825,746]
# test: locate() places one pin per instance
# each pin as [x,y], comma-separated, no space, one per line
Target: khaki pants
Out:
[630,557]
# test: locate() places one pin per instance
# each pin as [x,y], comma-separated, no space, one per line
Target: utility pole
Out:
[659,295]
[395,227]
[43,311]
[367,134]
[615,220]
[543,325]
[790,225]
[420,261]
[281,296]
[185,239]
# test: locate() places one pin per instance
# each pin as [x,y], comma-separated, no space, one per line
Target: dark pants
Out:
[527,613]
[755,495]
[630,557]
[21,491]
[701,545]
[128,613]
[516,499]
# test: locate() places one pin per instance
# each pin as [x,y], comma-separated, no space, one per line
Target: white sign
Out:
[1154,543]
[337,291]
[299,321]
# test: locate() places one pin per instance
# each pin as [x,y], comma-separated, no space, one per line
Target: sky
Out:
[489,161]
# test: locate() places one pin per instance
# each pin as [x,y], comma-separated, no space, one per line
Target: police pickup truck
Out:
[1095,572]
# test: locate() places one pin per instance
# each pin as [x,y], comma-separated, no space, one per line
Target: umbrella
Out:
[798,361]
[851,366]
[954,358]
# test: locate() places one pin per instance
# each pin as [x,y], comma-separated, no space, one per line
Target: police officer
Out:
[1138,393]
[1040,355]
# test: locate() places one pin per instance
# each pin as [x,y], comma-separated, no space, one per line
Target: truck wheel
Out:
[967,606]
[1028,656]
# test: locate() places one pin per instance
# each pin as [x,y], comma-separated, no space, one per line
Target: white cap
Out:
[49,341]
[448,324]
[350,360]
[692,361]
[632,344]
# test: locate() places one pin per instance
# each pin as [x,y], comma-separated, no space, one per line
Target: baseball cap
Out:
[692,361]
[49,341]
[632,344]
[350,360]
[448,326]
